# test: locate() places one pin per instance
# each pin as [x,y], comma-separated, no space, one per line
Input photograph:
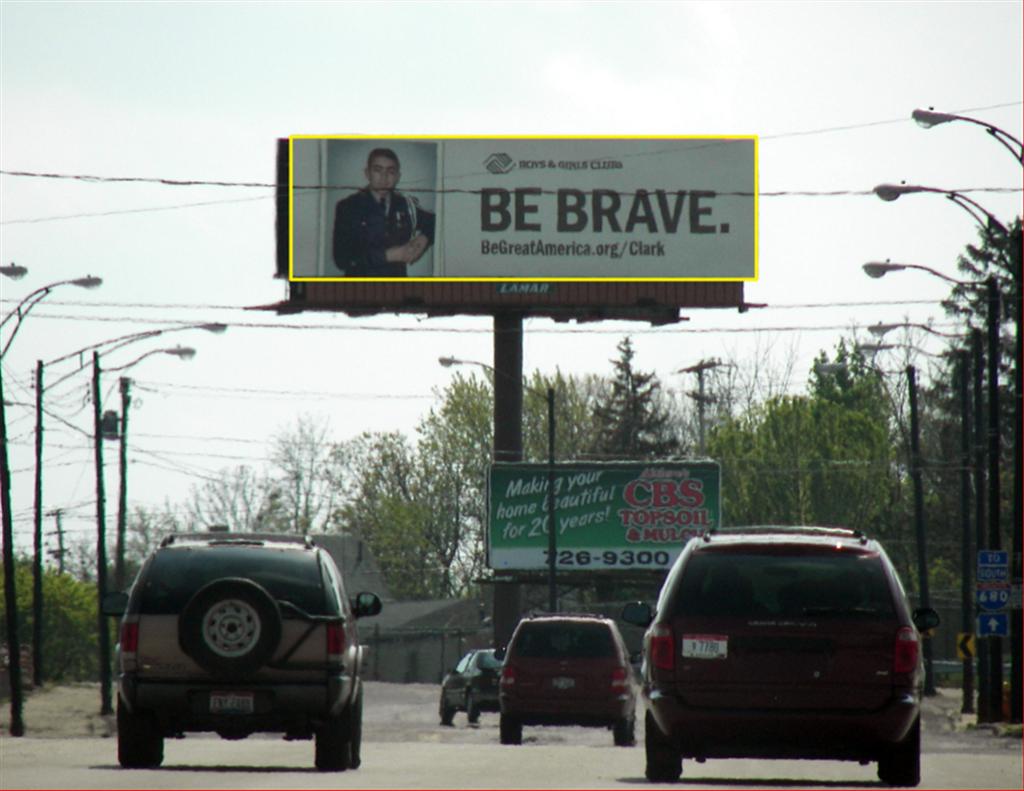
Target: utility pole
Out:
[966,600]
[59,554]
[977,377]
[122,502]
[699,369]
[17,727]
[924,599]
[37,540]
[995,647]
[1016,634]
[101,546]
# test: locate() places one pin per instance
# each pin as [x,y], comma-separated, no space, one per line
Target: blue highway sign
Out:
[994,625]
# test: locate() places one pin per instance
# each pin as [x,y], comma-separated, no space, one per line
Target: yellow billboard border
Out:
[344,279]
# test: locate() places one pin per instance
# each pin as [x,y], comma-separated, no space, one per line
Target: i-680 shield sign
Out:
[624,516]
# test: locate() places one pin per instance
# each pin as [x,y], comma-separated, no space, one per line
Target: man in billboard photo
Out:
[378,231]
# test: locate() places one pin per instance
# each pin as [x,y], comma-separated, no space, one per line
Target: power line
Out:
[486,330]
[248,309]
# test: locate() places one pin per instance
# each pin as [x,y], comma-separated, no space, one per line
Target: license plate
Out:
[563,682]
[705,646]
[231,703]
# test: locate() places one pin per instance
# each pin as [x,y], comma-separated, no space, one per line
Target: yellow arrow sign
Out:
[965,645]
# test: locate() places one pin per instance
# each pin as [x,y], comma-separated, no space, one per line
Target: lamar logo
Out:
[499,163]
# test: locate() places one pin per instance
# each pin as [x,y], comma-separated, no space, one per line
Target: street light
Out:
[891,192]
[17,726]
[929,118]
[37,296]
[879,269]
[880,329]
[112,344]
[13,271]
[183,353]
[448,362]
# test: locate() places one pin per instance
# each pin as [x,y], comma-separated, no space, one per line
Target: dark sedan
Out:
[471,686]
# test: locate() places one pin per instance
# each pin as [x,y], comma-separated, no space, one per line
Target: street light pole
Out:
[17,726]
[37,540]
[966,601]
[15,272]
[919,531]
[995,648]
[977,377]
[552,525]
[552,562]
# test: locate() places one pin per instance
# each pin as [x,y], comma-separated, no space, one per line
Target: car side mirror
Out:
[499,653]
[925,619]
[638,613]
[365,605]
[114,604]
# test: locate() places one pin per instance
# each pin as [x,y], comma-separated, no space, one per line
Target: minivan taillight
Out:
[904,658]
[129,638]
[619,676]
[661,647]
[335,641]
[508,676]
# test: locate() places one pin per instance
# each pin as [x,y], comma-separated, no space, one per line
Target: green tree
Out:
[825,458]
[632,417]
[69,622]
[421,506]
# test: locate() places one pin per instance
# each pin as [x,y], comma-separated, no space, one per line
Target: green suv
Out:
[239,634]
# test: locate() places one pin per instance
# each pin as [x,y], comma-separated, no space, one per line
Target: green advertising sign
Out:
[624,515]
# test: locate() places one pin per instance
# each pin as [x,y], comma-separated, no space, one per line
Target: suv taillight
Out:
[129,638]
[335,641]
[508,676]
[661,647]
[904,659]
[619,679]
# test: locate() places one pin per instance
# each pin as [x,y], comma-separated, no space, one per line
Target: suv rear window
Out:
[564,641]
[176,574]
[774,585]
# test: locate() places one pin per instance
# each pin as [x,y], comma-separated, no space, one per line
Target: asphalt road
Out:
[405,747]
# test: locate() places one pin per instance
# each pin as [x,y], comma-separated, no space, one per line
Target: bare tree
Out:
[302,482]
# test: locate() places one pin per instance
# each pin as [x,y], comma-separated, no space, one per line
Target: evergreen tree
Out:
[632,417]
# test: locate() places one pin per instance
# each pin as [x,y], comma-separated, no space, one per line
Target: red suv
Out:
[783,643]
[567,670]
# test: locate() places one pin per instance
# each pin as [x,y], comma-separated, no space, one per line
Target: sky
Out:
[200,91]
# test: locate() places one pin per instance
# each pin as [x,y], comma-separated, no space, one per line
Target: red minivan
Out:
[567,670]
[783,642]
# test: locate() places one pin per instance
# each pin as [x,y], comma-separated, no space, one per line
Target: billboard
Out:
[522,208]
[625,516]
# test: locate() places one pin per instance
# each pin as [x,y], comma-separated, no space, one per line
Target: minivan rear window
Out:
[176,574]
[562,641]
[776,585]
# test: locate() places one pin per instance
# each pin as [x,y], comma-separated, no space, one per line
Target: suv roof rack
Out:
[220,537]
[805,530]
[560,614]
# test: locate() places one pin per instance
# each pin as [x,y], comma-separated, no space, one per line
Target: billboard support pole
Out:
[508,443]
